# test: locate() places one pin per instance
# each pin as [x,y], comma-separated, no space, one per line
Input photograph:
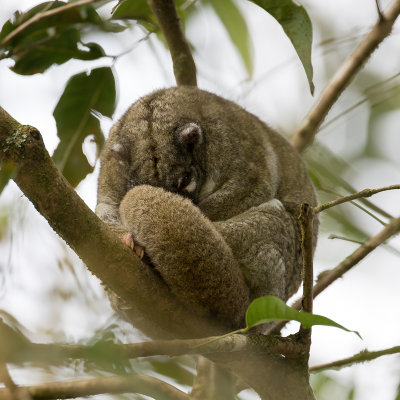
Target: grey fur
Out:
[212,194]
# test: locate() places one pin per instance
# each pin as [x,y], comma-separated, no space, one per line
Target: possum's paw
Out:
[128,240]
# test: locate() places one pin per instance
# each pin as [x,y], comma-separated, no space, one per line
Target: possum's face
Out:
[163,140]
[169,157]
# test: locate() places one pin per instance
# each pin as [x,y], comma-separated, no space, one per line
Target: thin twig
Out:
[106,384]
[306,226]
[43,14]
[368,212]
[137,43]
[343,76]
[342,114]
[362,356]
[332,236]
[182,59]
[306,219]
[351,189]
[363,193]
[392,249]
[369,204]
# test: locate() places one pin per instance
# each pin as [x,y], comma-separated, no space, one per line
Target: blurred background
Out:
[44,285]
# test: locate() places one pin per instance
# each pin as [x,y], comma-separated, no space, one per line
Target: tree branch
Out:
[361,357]
[182,59]
[19,349]
[106,384]
[363,193]
[261,361]
[306,223]
[306,226]
[343,76]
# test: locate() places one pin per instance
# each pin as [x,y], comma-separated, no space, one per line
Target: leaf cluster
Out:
[52,39]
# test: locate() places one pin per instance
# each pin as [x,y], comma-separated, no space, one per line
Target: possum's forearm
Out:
[185,248]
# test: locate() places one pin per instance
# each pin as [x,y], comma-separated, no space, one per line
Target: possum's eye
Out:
[187,183]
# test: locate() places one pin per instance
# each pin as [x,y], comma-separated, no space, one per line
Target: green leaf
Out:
[271,308]
[297,26]
[80,17]
[6,29]
[75,121]
[106,25]
[54,39]
[237,29]
[56,50]
[137,10]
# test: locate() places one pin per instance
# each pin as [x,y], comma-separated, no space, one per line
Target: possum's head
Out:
[190,142]
[162,139]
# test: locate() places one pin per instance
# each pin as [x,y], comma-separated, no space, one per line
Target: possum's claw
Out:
[128,240]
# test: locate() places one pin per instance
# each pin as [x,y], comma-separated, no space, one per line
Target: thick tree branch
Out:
[182,59]
[263,362]
[361,357]
[19,349]
[106,384]
[343,76]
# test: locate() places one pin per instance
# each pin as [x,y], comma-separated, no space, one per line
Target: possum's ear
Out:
[189,135]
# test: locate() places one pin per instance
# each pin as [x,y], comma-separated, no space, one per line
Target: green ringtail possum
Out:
[212,196]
